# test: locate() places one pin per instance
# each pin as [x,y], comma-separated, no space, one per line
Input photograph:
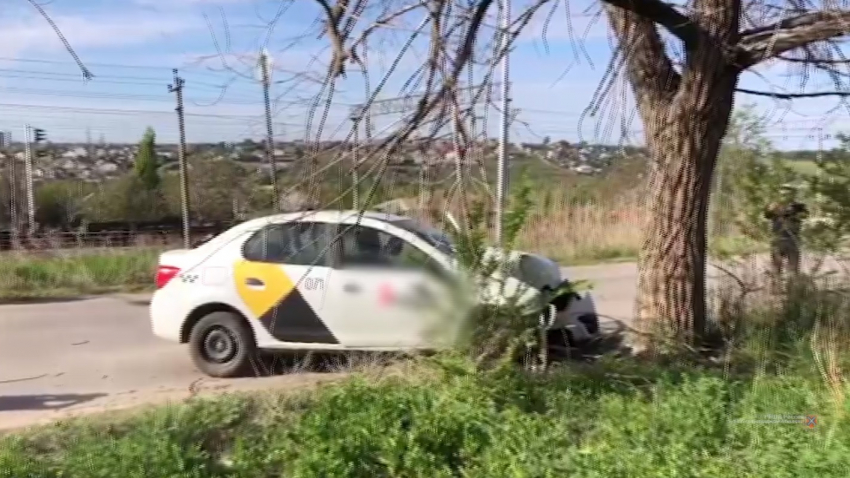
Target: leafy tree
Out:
[745,152]
[216,186]
[58,203]
[125,199]
[831,190]
[5,200]
[684,61]
[685,106]
[146,165]
[757,180]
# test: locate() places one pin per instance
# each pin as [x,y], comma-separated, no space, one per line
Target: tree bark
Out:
[672,260]
[685,111]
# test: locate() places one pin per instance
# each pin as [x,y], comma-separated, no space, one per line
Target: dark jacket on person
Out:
[786,220]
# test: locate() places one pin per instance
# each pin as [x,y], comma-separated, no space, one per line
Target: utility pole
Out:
[502,174]
[177,87]
[29,179]
[265,77]
[355,159]
[89,144]
[13,196]
[819,174]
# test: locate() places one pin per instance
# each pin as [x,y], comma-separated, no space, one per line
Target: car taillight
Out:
[164,275]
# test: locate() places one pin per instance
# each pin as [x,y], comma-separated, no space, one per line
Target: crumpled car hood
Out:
[526,276]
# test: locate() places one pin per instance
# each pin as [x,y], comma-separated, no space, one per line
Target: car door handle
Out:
[254,282]
[351,288]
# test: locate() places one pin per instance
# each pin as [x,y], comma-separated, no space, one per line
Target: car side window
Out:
[363,246]
[294,243]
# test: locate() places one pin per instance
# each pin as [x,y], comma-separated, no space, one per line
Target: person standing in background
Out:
[786,217]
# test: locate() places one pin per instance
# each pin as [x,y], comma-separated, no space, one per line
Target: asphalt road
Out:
[75,357]
[64,358]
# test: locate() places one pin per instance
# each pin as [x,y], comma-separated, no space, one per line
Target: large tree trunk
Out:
[672,262]
[685,111]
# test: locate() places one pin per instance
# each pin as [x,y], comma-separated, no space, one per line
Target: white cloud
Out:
[32,34]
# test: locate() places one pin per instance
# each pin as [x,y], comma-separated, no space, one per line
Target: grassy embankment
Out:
[442,417]
[73,273]
[740,417]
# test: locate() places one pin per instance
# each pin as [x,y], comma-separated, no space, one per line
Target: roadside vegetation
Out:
[742,416]
[742,409]
[575,220]
[442,418]
[52,274]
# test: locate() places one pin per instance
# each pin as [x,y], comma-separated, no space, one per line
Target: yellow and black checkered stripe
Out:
[280,307]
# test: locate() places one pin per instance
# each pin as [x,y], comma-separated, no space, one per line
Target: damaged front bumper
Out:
[573,313]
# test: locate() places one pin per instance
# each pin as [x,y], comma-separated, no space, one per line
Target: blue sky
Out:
[131,49]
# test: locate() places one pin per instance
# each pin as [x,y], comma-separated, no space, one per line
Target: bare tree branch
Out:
[333,18]
[87,74]
[791,96]
[663,14]
[763,43]
[641,49]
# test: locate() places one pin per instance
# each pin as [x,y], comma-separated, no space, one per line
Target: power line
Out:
[61,74]
[101,95]
[193,70]
[116,79]
[119,111]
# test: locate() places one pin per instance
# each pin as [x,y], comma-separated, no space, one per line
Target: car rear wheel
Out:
[222,345]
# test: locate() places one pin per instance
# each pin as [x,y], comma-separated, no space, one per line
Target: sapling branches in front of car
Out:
[503,317]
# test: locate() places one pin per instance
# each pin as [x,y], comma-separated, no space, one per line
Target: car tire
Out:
[222,345]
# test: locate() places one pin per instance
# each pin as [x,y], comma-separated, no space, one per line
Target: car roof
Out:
[322,215]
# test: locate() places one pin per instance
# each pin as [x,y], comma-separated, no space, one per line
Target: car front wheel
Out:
[222,345]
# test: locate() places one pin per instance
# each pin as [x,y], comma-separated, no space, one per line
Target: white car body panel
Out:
[217,273]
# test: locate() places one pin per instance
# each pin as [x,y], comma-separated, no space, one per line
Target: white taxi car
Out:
[330,281]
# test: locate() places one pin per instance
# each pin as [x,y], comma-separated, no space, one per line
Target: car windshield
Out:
[432,236]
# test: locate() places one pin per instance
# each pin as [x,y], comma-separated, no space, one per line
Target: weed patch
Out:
[45,275]
[443,419]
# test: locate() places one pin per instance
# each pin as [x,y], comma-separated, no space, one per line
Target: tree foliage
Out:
[831,194]
[147,165]
[683,61]
[218,186]
[59,204]
[125,199]
[753,173]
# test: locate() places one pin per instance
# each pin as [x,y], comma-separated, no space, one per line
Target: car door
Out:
[386,291]
[282,281]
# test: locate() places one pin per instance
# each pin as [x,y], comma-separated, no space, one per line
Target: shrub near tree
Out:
[830,188]
[216,187]
[59,204]
[146,165]
[135,197]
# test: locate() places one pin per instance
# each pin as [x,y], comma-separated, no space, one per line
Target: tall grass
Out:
[46,273]
[585,230]
[559,225]
[441,418]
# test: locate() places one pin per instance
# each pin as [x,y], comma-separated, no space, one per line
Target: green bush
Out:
[613,419]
